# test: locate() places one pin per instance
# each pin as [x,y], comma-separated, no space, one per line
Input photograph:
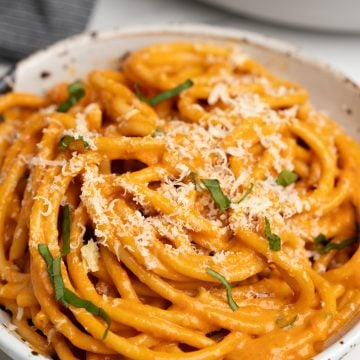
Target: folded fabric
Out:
[27,25]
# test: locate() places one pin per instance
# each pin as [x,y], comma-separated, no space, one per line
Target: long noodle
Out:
[208,226]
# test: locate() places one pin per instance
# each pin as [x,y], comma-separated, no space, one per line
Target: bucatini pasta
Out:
[191,205]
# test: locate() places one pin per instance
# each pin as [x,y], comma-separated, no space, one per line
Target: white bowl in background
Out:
[75,57]
[328,15]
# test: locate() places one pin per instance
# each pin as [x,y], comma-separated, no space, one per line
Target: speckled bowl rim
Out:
[19,350]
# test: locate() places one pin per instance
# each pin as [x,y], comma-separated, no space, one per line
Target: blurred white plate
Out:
[333,15]
[75,57]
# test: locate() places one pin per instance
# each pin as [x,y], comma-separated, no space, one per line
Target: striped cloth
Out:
[27,25]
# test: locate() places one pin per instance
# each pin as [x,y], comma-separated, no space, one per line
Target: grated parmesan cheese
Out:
[90,254]
[19,313]
[47,203]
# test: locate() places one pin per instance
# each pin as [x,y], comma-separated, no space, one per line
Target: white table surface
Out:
[339,50]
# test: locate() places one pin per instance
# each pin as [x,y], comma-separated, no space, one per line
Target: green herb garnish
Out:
[273,239]
[285,324]
[287,177]
[246,193]
[67,141]
[46,255]
[324,246]
[57,279]
[165,95]
[66,230]
[214,188]
[321,239]
[139,94]
[233,305]
[76,91]
[54,270]
[72,299]
[64,295]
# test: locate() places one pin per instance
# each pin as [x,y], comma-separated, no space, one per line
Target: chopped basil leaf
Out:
[286,178]
[213,186]
[66,296]
[233,305]
[324,246]
[57,278]
[72,299]
[46,255]
[165,95]
[67,141]
[273,239]
[139,94]
[246,193]
[339,246]
[285,324]
[66,231]
[158,132]
[54,270]
[170,93]
[76,91]
[321,239]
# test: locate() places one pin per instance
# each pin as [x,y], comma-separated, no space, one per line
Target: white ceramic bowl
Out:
[328,15]
[73,58]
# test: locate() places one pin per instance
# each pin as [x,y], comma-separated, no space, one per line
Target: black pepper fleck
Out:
[352,84]
[45,74]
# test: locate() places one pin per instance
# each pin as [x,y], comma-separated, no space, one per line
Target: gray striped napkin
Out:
[27,25]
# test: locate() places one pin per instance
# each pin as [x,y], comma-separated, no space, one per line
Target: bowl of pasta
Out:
[178,192]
